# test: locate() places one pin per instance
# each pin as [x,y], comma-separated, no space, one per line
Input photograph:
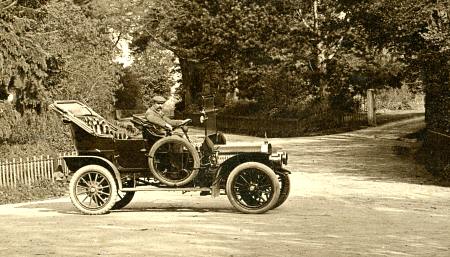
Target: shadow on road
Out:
[132,209]
[67,208]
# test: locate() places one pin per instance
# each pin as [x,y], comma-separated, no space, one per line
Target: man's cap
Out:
[159,99]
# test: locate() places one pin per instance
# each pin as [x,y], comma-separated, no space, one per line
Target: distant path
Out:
[354,194]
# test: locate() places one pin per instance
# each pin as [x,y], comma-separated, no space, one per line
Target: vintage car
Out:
[111,164]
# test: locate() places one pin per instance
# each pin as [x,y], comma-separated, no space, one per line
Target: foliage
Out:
[59,42]
[33,128]
[435,63]
[33,134]
[82,52]
[277,52]
[22,61]
[153,67]
[128,97]
[8,120]
[238,43]
[398,99]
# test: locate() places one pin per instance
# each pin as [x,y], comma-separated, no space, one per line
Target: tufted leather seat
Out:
[101,127]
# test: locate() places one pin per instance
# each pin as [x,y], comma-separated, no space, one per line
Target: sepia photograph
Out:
[234,128]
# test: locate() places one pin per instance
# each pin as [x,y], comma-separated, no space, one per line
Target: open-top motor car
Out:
[112,164]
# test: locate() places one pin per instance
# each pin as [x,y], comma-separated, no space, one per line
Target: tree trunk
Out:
[192,83]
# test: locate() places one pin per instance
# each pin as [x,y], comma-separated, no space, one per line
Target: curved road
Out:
[354,194]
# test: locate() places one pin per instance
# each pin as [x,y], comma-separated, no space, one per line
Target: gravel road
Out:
[353,194]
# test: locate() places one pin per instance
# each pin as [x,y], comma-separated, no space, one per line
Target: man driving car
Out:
[155,115]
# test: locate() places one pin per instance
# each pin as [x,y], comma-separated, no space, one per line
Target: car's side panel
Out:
[86,142]
[132,153]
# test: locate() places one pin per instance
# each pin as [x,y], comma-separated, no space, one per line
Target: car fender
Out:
[76,162]
[228,163]
[282,170]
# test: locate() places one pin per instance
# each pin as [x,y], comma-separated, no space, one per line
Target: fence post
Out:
[35,177]
[43,169]
[8,179]
[4,173]
[4,178]
[61,162]
[40,173]
[52,168]
[30,180]
[47,168]
[1,174]
[14,172]
[22,171]
[19,172]
[371,118]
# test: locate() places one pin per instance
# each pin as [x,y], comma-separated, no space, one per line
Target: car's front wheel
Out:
[93,190]
[253,188]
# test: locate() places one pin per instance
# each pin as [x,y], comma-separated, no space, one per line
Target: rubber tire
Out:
[122,202]
[191,149]
[126,198]
[105,173]
[265,169]
[285,188]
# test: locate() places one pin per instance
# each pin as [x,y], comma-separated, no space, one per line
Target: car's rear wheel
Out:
[285,188]
[123,198]
[253,188]
[93,190]
[174,161]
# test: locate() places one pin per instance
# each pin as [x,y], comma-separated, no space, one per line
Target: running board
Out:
[152,188]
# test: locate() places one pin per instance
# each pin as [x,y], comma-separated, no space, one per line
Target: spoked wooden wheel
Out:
[253,187]
[174,161]
[285,189]
[93,190]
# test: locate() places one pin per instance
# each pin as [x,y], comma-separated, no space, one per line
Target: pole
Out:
[371,117]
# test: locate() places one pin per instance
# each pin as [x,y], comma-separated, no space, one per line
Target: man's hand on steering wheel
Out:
[181,125]
[186,121]
[168,127]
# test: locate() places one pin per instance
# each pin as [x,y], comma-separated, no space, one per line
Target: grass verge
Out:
[40,190]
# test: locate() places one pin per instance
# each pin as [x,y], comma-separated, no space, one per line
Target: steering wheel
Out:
[183,123]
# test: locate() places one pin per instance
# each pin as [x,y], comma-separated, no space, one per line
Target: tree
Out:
[152,69]
[279,53]
[22,60]
[82,51]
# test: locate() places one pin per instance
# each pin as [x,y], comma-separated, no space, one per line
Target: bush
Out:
[243,108]
[33,134]
[33,127]
[8,120]
[296,110]
[39,190]
[399,99]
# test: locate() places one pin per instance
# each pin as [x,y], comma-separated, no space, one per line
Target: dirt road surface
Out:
[353,194]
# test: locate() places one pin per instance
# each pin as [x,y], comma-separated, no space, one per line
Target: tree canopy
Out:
[286,52]
[280,53]
[22,60]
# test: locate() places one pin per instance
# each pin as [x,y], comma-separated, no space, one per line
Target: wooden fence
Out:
[29,170]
